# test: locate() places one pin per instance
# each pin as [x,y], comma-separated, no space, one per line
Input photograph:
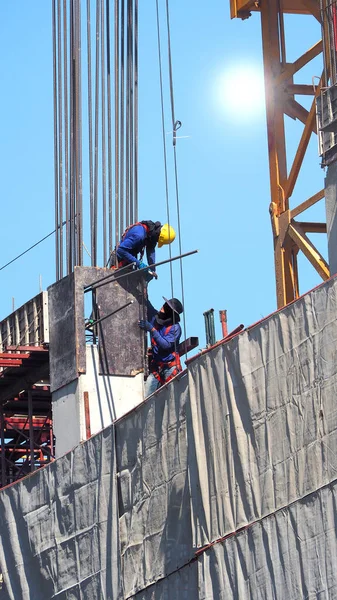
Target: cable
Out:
[56,162]
[164,137]
[176,125]
[28,249]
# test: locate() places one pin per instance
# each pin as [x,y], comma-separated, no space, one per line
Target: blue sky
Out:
[222,164]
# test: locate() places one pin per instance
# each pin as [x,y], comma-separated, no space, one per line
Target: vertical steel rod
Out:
[56,160]
[117,138]
[135,110]
[31,430]
[108,65]
[94,224]
[91,189]
[66,130]
[59,233]
[122,122]
[3,449]
[103,158]
[223,321]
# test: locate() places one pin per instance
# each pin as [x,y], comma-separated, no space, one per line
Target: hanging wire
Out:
[28,249]
[56,160]
[164,136]
[175,125]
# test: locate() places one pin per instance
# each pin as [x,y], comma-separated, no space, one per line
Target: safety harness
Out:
[157,368]
[123,263]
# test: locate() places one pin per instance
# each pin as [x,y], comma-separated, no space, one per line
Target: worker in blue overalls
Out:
[142,236]
[165,331]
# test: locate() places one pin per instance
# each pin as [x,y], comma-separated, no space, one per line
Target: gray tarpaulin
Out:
[154,500]
[290,555]
[59,528]
[247,438]
[180,585]
[264,417]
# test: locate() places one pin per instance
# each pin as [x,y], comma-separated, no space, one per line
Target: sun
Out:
[241,92]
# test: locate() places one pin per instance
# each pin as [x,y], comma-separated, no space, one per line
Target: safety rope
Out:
[28,249]
[175,126]
[164,136]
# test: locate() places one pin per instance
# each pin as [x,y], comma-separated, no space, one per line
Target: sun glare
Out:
[241,92]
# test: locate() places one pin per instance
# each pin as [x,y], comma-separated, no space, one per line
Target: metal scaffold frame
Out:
[290,235]
[26,430]
[26,434]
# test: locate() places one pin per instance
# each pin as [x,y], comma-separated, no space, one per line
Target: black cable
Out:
[163,135]
[175,125]
[28,249]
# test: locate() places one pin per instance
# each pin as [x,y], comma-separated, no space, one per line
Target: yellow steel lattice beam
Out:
[289,236]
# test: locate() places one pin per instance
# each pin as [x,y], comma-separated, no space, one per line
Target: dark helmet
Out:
[175,305]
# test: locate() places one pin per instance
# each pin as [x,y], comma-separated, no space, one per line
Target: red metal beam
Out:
[14,362]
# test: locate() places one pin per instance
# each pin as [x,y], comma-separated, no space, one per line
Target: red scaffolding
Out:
[26,432]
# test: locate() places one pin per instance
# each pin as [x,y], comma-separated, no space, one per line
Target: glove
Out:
[145,325]
[142,265]
[148,275]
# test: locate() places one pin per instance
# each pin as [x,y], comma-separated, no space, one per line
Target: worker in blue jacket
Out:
[165,331]
[142,236]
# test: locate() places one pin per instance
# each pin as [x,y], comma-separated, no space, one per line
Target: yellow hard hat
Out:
[166,236]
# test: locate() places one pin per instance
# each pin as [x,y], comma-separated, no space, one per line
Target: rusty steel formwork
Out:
[28,325]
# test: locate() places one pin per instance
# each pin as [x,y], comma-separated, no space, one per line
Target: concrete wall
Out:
[110,397]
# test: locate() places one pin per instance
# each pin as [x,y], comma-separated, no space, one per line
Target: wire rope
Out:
[163,135]
[30,248]
[175,125]
[56,200]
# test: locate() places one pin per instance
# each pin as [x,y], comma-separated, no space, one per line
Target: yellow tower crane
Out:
[290,234]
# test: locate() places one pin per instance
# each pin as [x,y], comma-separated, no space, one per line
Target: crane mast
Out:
[289,231]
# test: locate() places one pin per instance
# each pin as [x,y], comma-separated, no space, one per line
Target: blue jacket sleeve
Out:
[133,241]
[151,255]
[151,312]
[168,342]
